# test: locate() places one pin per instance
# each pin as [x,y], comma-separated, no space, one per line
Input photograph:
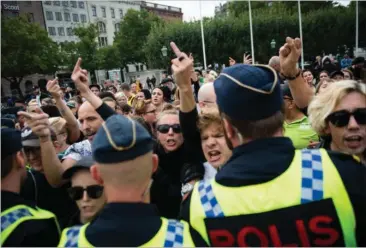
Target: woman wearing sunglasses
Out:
[147,110]
[339,115]
[85,191]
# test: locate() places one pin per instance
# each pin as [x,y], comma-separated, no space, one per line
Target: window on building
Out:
[117,27]
[49,15]
[141,67]
[121,13]
[69,32]
[104,14]
[103,41]
[67,17]
[73,4]
[61,31]
[81,5]
[58,16]
[75,17]
[83,18]
[101,27]
[137,67]
[48,2]
[30,17]
[52,31]
[65,3]
[94,10]
[112,13]
[56,3]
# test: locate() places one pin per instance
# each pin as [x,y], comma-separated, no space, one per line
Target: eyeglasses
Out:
[93,191]
[165,128]
[341,118]
[34,150]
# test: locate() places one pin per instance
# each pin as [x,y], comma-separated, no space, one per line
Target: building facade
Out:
[62,17]
[167,13]
[31,9]
[107,15]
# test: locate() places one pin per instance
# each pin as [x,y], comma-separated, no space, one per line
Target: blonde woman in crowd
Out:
[339,116]
[323,85]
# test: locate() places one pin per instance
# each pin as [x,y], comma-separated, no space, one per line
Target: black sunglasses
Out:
[165,128]
[341,118]
[93,191]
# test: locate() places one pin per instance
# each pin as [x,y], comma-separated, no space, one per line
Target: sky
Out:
[191,8]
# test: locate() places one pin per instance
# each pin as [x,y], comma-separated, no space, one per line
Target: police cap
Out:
[11,141]
[248,92]
[120,139]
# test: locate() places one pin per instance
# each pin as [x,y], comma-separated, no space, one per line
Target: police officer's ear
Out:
[94,171]
[155,162]
[19,160]
[228,129]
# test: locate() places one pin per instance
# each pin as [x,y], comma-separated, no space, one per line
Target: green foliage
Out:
[26,49]
[134,30]
[108,57]
[324,29]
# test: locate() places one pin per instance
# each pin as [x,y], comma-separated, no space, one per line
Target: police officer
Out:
[268,193]
[123,149]
[22,223]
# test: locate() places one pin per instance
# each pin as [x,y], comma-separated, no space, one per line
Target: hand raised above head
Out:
[182,67]
[290,53]
[80,77]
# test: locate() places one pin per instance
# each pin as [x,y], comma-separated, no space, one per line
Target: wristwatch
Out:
[186,188]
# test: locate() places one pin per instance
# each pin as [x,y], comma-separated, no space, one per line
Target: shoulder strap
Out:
[311,176]
[72,236]
[174,234]
[210,205]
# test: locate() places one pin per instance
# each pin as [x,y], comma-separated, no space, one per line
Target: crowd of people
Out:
[256,155]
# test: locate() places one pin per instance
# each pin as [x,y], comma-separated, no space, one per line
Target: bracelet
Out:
[291,78]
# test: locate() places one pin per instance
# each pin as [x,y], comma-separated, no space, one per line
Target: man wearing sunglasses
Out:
[268,193]
[85,191]
[22,222]
[123,151]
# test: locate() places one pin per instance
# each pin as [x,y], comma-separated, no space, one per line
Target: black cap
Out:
[11,141]
[358,60]
[7,123]
[286,91]
[338,72]
[94,85]
[166,80]
[83,164]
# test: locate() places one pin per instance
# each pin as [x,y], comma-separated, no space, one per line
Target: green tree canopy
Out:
[134,29]
[26,49]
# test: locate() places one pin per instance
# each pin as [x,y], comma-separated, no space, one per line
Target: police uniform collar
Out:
[11,199]
[124,209]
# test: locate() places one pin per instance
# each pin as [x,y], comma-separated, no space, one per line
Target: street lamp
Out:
[164,51]
[273,44]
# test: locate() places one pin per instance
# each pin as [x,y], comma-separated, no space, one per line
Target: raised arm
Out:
[289,56]
[72,124]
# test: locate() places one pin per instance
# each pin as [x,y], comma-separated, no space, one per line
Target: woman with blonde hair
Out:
[322,85]
[339,116]
[147,111]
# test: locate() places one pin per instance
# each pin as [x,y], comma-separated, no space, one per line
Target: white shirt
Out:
[78,150]
[210,171]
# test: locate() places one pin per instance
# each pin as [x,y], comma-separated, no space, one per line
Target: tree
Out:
[25,49]
[134,29]
[108,57]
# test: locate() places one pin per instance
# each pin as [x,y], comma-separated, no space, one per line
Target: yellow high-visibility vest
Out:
[307,205]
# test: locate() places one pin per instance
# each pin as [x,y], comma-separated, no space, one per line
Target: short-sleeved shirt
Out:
[78,150]
[300,132]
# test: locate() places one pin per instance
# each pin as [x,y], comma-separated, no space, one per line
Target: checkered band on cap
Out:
[174,236]
[11,217]
[208,200]
[312,176]
[72,236]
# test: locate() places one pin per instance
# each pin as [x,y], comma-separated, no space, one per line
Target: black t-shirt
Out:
[36,188]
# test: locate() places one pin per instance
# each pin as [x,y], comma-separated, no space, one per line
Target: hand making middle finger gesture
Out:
[231,61]
[53,88]
[182,66]
[289,56]
[247,59]
[80,77]
[38,122]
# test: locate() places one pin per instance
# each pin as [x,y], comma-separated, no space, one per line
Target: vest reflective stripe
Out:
[312,176]
[174,235]
[72,235]
[13,217]
[208,200]
[10,218]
